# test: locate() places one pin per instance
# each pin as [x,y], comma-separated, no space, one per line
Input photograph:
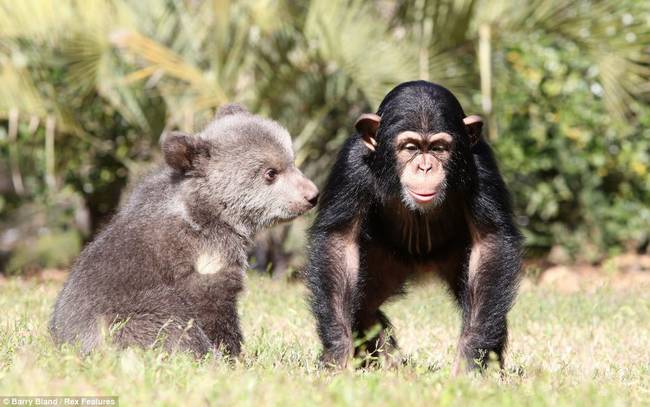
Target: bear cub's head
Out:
[241,168]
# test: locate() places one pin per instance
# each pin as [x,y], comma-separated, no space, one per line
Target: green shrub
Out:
[580,178]
[51,250]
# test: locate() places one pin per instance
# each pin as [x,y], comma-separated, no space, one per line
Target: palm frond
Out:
[442,32]
[623,61]
[346,33]
[17,91]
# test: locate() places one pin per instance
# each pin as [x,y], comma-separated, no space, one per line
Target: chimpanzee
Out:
[415,190]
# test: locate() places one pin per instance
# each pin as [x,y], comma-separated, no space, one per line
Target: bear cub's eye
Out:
[270,175]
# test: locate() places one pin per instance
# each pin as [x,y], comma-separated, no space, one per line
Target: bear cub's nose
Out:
[313,199]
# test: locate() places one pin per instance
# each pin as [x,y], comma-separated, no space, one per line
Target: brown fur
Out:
[169,267]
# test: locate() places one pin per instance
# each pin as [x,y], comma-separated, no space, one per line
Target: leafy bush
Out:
[45,233]
[581,179]
[569,89]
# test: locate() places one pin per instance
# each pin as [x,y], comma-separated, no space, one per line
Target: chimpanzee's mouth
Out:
[422,198]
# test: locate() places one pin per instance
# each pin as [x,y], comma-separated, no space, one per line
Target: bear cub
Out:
[168,268]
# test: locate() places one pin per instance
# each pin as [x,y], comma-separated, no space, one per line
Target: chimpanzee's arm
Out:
[332,277]
[334,256]
[493,270]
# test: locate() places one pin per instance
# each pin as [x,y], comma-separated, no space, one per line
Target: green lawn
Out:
[585,348]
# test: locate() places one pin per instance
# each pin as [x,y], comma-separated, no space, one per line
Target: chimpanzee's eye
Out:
[411,147]
[438,148]
[270,175]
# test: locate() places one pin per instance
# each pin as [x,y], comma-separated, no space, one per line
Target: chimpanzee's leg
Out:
[383,277]
[375,340]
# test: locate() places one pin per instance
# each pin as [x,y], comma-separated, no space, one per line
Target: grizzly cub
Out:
[168,268]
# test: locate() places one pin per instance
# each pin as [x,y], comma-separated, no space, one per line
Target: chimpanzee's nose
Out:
[425,166]
[313,200]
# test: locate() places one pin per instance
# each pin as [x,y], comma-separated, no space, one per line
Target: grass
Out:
[584,348]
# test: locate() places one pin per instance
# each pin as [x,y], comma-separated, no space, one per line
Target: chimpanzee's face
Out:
[421,165]
[420,144]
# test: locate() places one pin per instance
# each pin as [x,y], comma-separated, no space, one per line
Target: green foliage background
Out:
[564,86]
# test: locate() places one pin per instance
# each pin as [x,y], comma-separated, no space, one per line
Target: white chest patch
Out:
[209,263]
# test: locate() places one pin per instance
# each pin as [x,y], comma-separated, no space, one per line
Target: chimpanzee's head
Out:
[241,166]
[420,143]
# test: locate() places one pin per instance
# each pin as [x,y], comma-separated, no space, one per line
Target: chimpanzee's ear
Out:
[231,108]
[367,125]
[474,125]
[184,152]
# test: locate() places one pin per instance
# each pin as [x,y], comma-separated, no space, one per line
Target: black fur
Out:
[360,207]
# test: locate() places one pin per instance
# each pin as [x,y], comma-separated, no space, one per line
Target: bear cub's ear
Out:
[184,152]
